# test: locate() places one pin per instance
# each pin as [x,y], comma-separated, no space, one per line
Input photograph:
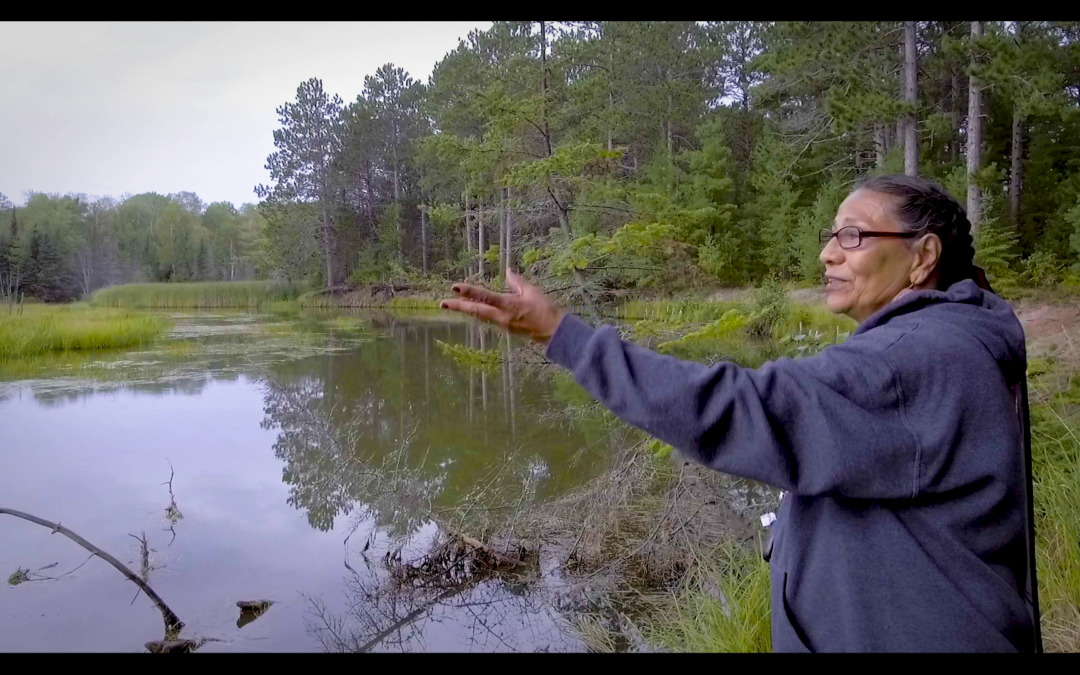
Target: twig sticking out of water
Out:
[144,572]
[145,550]
[172,622]
[171,511]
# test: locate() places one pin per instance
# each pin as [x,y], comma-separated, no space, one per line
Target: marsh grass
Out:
[200,295]
[1055,440]
[41,329]
[724,607]
[749,333]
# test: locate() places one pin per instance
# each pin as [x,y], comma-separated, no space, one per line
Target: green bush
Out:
[771,309]
[1042,269]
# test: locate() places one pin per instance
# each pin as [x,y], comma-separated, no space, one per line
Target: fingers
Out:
[479,310]
[480,294]
[514,281]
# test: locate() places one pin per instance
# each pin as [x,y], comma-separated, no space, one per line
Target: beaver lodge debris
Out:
[19,576]
[251,610]
[176,645]
[172,646]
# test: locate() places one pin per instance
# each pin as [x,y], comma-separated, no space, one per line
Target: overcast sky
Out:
[114,108]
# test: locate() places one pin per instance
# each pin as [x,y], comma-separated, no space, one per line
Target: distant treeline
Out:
[60,248]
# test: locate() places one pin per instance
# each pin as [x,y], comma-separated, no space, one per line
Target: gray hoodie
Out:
[905,523]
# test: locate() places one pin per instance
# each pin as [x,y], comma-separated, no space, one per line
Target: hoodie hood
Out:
[984,315]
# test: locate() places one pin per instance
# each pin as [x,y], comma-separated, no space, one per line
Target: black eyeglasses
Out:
[851,237]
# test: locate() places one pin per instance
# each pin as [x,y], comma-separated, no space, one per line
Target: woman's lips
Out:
[833,283]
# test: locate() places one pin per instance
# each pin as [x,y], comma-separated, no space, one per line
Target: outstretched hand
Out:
[525,310]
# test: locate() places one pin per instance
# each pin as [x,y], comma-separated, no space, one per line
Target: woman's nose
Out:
[832,254]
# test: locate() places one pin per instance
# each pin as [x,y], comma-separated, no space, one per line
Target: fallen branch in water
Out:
[172,622]
[479,545]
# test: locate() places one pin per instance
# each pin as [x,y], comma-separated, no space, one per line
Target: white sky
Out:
[125,107]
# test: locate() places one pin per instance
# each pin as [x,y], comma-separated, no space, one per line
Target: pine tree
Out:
[308,142]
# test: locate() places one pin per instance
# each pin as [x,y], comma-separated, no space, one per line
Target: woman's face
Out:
[860,281]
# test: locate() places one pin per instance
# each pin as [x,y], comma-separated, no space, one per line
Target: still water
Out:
[302,451]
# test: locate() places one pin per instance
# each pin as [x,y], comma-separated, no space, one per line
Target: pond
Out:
[285,458]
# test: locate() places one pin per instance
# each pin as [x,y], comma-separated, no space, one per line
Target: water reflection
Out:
[397,419]
[289,436]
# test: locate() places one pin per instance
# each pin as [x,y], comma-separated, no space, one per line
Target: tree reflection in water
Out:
[410,606]
[388,437]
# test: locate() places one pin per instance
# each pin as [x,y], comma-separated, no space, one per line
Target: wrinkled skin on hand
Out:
[525,310]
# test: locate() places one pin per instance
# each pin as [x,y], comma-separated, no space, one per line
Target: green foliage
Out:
[729,325]
[1042,269]
[722,257]
[771,309]
[995,251]
[472,358]
[820,216]
[659,449]
[446,217]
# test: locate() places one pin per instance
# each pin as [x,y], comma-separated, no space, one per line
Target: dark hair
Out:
[925,207]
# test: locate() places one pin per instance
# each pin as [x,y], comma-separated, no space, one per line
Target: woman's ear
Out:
[927,255]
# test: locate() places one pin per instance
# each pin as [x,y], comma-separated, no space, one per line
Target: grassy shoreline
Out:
[41,329]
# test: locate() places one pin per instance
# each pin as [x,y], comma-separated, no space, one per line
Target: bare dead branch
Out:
[172,622]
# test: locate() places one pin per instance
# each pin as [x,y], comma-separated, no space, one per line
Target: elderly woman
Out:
[907,520]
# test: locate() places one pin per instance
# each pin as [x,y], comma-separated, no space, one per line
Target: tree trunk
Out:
[879,145]
[480,248]
[502,233]
[974,138]
[911,97]
[468,236]
[611,113]
[397,200]
[423,238]
[509,231]
[954,114]
[544,85]
[668,124]
[1016,164]
[328,246]
[611,85]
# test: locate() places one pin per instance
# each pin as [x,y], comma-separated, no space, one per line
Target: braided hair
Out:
[925,207]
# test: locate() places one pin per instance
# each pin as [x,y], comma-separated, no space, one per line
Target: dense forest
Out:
[615,155]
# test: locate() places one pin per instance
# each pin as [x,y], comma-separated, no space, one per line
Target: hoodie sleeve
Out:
[832,423]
